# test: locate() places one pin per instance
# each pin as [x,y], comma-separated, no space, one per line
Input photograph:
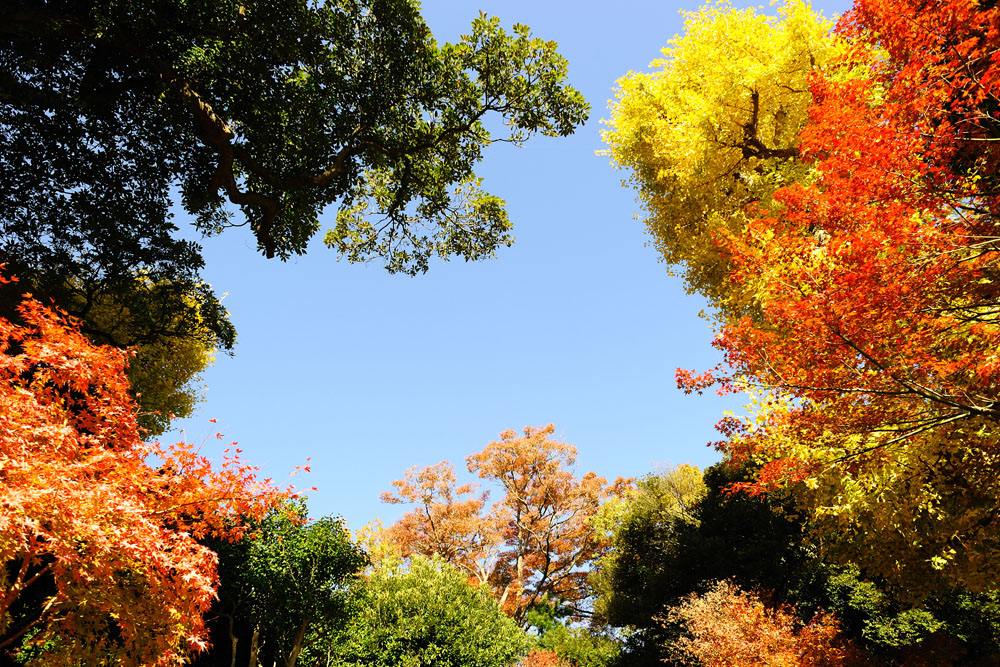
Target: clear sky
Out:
[578,324]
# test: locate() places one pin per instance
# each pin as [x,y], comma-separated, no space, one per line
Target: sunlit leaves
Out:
[858,289]
[535,542]
[729,627]
[714,128]
[426,614]
[98,534]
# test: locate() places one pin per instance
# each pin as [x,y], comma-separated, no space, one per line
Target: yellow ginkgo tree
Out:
[713,129]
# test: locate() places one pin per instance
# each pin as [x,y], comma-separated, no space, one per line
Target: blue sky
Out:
[578,324]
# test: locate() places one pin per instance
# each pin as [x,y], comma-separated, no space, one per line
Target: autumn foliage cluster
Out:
[542,658]
[729,627]
[883,321]
[534,544]
[853,267]
[99,531]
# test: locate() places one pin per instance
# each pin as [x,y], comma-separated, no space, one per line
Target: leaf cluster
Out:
[660,557]
[427,614]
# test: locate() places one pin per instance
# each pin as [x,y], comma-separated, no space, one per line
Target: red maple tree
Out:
[99,551]
[877,294]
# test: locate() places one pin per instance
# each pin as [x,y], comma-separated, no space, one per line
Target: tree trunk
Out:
[233,642]
[254,639]
[300,635]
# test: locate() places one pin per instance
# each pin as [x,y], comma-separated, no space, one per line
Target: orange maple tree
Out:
[534,544]
[729,627]
[451,520]
[99,551]
[876,312]
[542,658]
[877,284]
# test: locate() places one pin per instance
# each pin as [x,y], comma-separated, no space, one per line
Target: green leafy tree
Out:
[574,645]
[952,628]
[426,615]
[287,578]
[110,109]
[645,527]
[280,109]
[663,551]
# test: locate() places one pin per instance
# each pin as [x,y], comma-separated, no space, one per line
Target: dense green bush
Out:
[426,614]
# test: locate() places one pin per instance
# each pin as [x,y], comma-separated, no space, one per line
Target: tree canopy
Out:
[99,557]
[279,109]
[664,554]
[714,128]
[116,116]
[534,544]
[284,581]
[832,190]
[729,627]
[857,291]
[425,615]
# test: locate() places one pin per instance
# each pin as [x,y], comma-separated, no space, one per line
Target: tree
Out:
[643,528]
[728,627]
[860,299]
[172,330]
[109,109]
[542,658]
[426,615]
[956,628]
[663,551]
[282,581]
[568,645]
[99,557]
[680,530]
[714,128]
[451,520]
[878,324]
[170,341]
[548,513]
[281,110]
[534,544]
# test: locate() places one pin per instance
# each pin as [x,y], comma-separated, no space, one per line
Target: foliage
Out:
[172,331]
[580,647]
[279,109]
[666,545]
[714,128]
[534,543]
[954,628]
[641,525]
[729,627]
[166,365]
[165,377]
[860,296]
[279,583]
[109,108]
[427,615]
[663,549]
[659,556]
[567,645]
[99,556]
[542,658]
[882,327]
